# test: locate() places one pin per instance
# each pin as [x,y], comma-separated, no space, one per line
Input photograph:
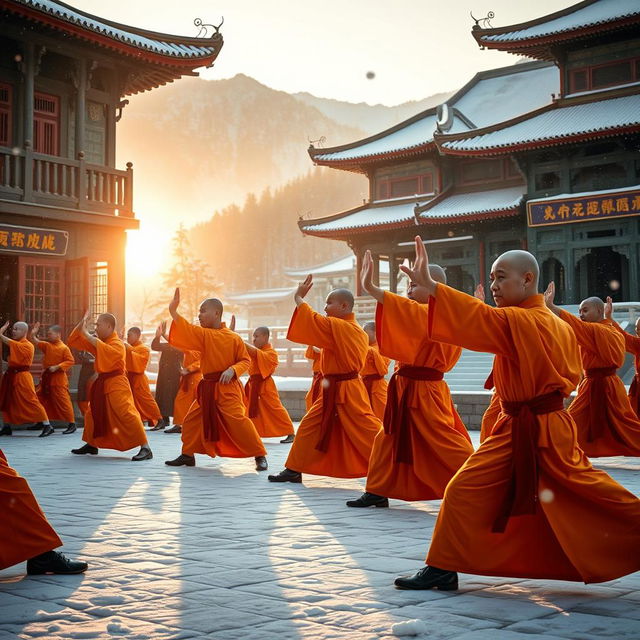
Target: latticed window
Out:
[5,114]
[76,291]
[43,293]
[99,289]
[46,124]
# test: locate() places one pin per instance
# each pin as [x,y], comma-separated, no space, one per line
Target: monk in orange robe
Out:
[18,400]
[336,435]
[112,420]
[261,395]
[607,425]
[217,423]
[527,503]
[374,371]
[632,346]
[138,355]
[86,378]
[314,354]
[24,530]
[190,376]
[424,441]
[53,390]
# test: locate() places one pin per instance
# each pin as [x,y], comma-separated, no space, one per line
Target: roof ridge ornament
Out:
[317,144]
[483,23]
[203,26]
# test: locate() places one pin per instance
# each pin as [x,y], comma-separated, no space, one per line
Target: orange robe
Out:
[632,345]
[188,387]
[137,360]
[24,529]
[271,418]
[54,395]
[584,525]
[439,440]
[22,405]
[490,417]
[376,366]
[316,383]
[125,430]
[219,349]
[607,425]
[341,447]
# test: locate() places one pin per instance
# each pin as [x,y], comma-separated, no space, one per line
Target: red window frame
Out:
[6,114]
[46,124]
[40,299]
[634,65]
[385,186]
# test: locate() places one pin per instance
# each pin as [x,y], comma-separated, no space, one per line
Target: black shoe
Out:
[87,448]
[70,429]
[54,562]
[47,430]
[288,439]
[160,425]
[429,578]
[182,461]
[143,454]
[286,475]
[6,431]
[175,429]
[369,500]
[261,463]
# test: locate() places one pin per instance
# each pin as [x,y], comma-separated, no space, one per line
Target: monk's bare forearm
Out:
[375,292]
[555,308]
[5,339]
[299,300]
[250,347]
[92,339]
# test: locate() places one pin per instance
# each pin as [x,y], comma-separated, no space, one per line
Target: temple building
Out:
[64,206]
[543,155]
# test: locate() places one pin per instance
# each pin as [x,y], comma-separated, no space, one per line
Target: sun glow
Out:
[147,251]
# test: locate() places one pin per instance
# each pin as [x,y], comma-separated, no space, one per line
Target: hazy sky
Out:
[326,47]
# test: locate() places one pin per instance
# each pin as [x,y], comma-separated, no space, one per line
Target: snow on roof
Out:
[599,12]
[584,194]
[163,44]
[366,218]
[416,134]
[555,124]
[343,265]
[502,97]
[476,202]
[261,295]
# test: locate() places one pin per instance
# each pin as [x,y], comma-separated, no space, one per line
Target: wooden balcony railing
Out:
[32,177]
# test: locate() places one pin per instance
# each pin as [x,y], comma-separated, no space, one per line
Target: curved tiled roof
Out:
[472,206]
[557,124]
[171,46]
[575,21]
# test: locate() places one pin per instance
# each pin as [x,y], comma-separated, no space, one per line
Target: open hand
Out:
[304,286]
[4,327]
[232,322]
[228,375]
[419,274]
[608,308]
[550,294]
[35,328]
[159,330]
[173,305]
[366,273]
[479,293]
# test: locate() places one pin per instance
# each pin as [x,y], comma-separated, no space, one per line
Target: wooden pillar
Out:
[376,269]
[81,100]
[29,71]
[359,256]
[393,273]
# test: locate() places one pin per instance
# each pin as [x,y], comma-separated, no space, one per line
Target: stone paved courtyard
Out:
[216,551]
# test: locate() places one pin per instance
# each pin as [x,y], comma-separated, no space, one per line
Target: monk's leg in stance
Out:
[25,532]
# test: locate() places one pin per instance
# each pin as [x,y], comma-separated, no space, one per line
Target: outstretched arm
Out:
[82,327]
[173,305]
[250,347]
[366,276]
[4,338]
[419,274]
[302,290]
[549,297]
[32,334]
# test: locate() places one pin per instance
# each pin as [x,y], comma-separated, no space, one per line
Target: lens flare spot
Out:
[546,495]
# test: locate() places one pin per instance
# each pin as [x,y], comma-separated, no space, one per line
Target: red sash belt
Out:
[252,391]
[598,405]
[397,419]
[316,386]
[7,385]
[634,394]
[329,408]
[184,382]
[368,383]
[211,417]
[522,493]
[98,403]
[46,379]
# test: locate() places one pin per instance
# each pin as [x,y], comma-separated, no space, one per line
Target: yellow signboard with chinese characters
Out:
[584,207]
[48,242]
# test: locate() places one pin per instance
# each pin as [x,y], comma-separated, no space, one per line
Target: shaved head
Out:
[19,330]
[135,330]
[369,326]
[339,303]
[437,273]
[56,328]
[108,319]
[344,295]
[21,326]
[213,303]
[263,331]
[370,330]
[591,310]
[514,278]
[210,314]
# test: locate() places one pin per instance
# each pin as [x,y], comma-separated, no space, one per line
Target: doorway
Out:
[603,272]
